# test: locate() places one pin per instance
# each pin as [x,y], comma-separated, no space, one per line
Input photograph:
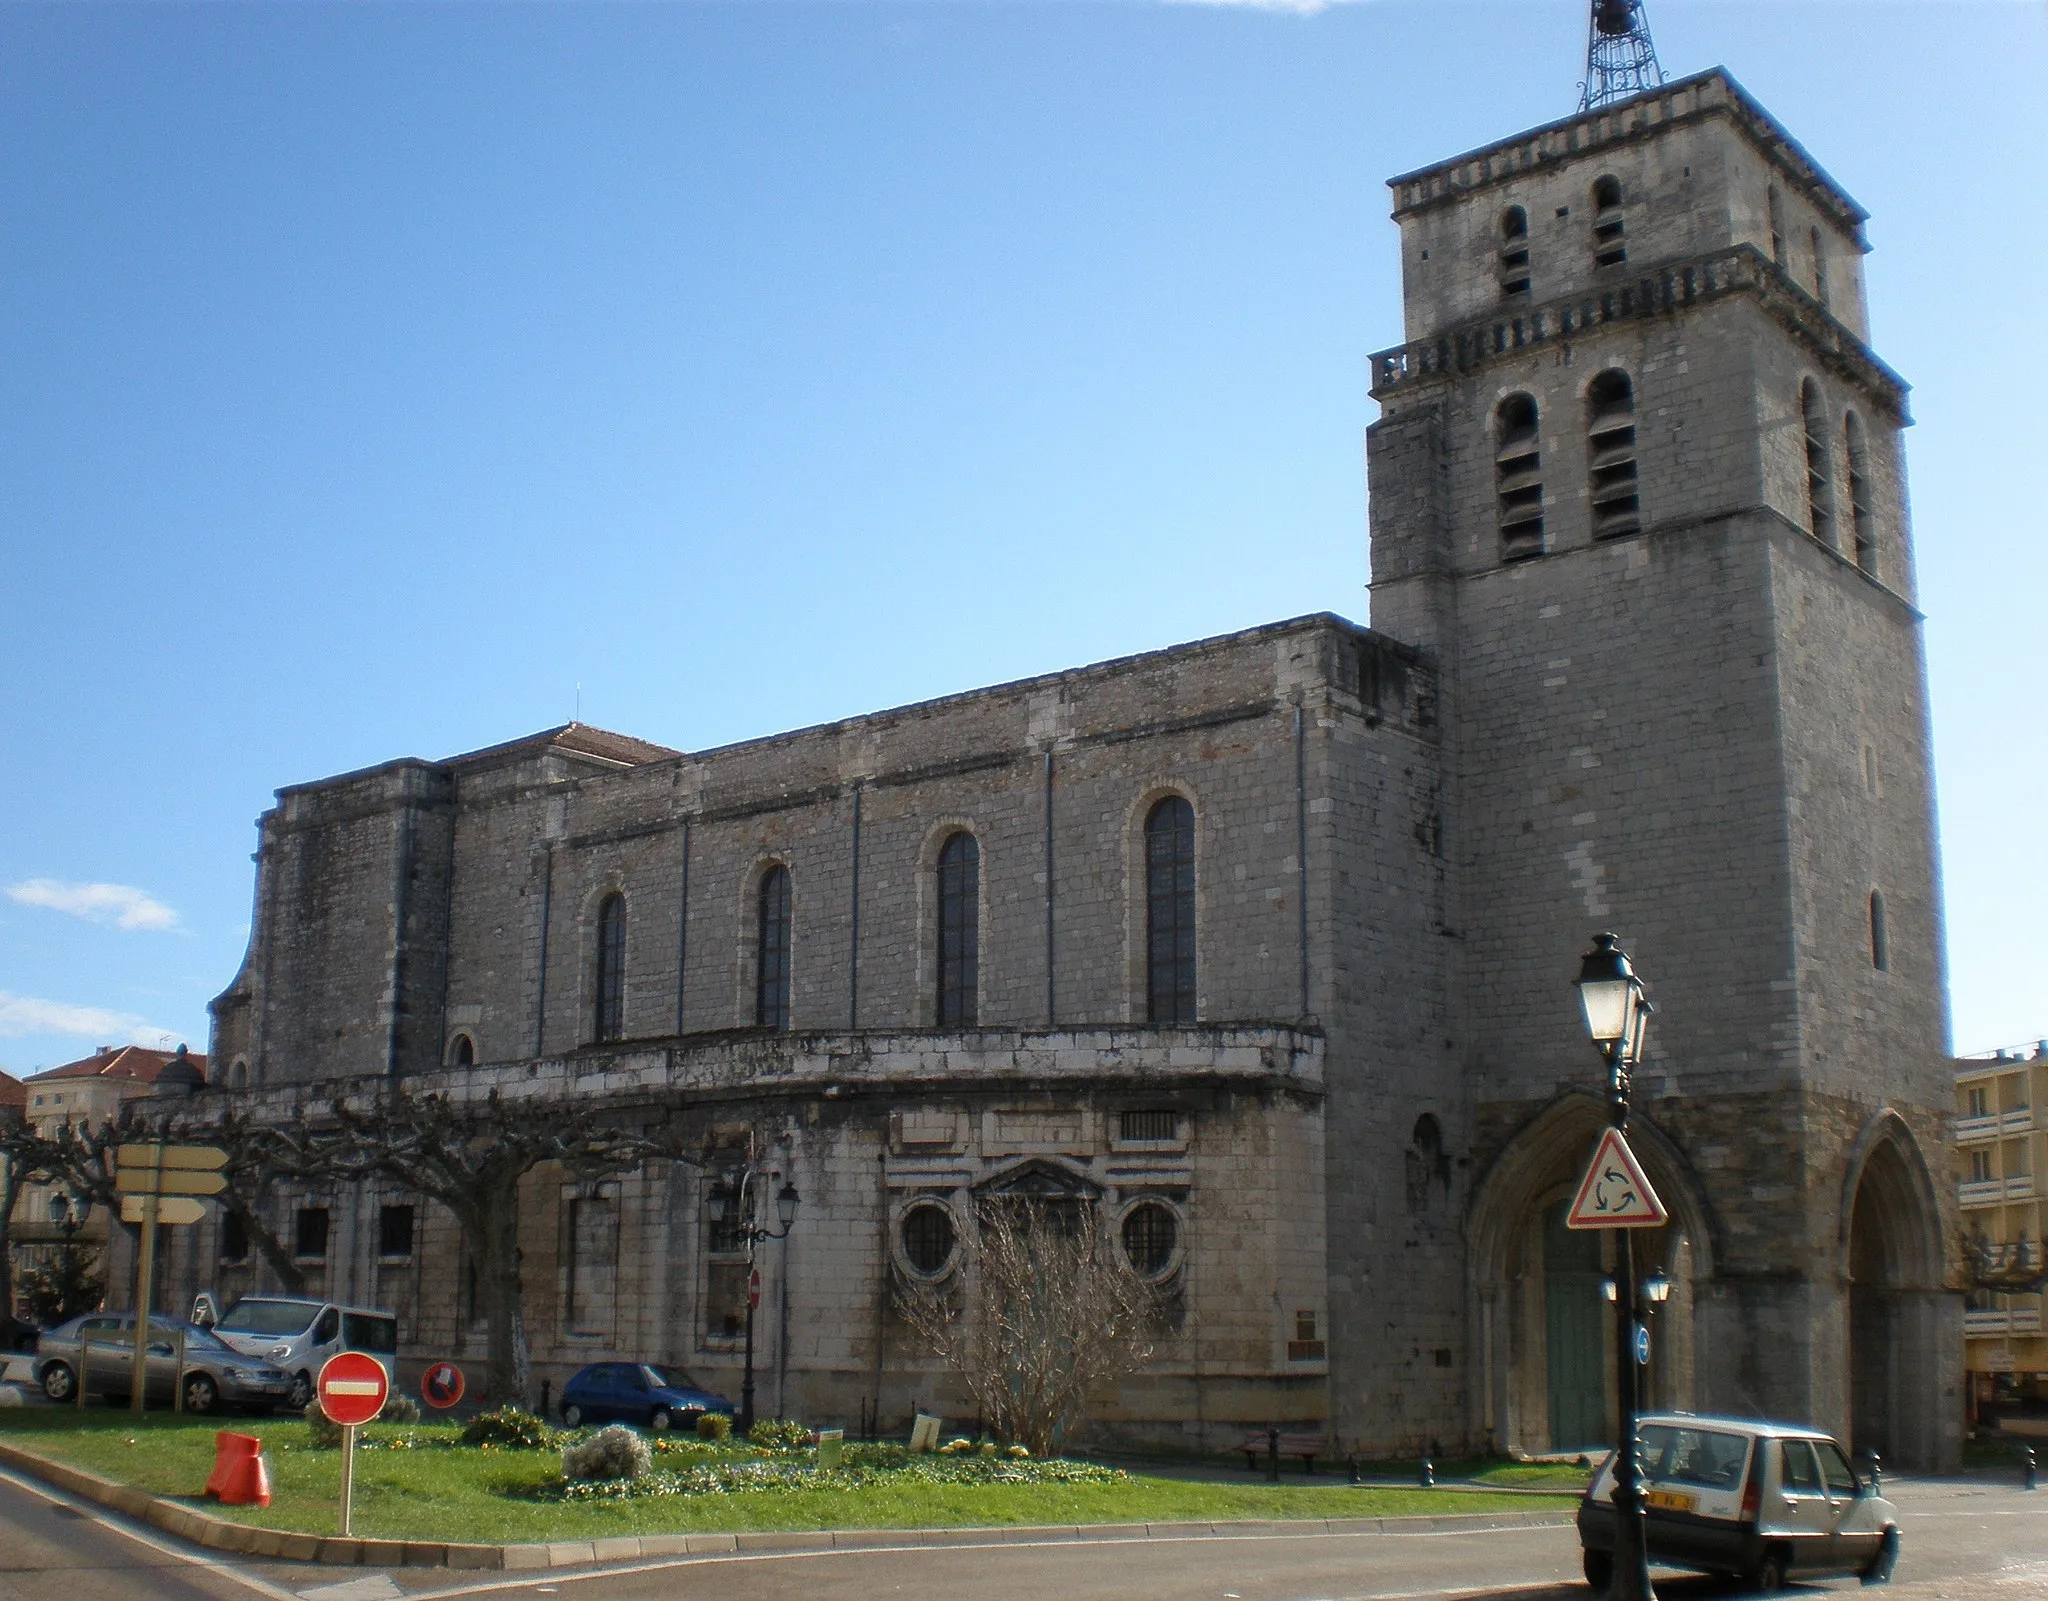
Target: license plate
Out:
[1671,1500]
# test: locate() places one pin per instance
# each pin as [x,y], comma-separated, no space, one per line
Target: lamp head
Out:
[786,1200]
[1657,1287]
[1611,996]
[720,1201]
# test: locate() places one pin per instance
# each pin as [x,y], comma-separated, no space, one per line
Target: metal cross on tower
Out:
[1620,60]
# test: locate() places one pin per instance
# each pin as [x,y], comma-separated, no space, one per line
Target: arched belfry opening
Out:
[1896,1325]
[1540,1320]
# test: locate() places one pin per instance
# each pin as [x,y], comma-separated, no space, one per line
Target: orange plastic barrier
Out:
[240,1476]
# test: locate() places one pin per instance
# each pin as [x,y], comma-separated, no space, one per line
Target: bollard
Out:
[546,1388]
[1354,1467]
[1428,1474]
[1876,1465]
[2033,1482]
[1273,1454]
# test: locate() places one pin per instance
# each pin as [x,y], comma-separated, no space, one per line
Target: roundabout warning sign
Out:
[1616,1192]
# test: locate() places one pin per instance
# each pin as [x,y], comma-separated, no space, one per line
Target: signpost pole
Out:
[348,1474]
[144,1267]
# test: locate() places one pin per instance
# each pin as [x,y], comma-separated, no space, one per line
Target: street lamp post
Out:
[737,1195]
[1617,1017]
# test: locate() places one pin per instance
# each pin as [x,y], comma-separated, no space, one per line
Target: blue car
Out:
[655,1397]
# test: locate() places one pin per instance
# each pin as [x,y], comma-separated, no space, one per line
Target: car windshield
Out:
[663,1378]
[269,1317]
[1705,1457]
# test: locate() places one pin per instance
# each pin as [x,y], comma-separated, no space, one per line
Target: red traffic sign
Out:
[1616,1192]
[754,1288]
[441,1385]
[353,1387]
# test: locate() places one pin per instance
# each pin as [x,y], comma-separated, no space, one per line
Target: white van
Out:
[300,1335]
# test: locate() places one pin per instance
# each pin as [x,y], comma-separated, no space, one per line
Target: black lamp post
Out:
[738,1194]
[1617,1017]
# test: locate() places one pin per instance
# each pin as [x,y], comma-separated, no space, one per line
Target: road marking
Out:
[116,1524]
[376,1587]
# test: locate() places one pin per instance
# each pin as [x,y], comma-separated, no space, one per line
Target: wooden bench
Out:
[1307,1447]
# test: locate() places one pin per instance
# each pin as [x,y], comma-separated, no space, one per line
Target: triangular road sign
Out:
[1616,1192]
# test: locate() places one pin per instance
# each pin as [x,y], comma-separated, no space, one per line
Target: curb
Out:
[218,1534]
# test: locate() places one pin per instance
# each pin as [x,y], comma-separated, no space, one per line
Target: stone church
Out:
[1261,947]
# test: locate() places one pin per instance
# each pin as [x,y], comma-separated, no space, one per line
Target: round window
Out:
[1150,1233]
[928,1238]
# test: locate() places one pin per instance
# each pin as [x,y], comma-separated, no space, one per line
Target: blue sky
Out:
[374,376]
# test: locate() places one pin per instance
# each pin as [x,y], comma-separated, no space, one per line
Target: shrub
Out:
[325,1431]
[779,1434]
[509,1426]
[399,1409]
[614,1452]
[714,1426]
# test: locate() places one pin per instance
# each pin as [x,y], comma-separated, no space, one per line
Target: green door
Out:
[1574,1334]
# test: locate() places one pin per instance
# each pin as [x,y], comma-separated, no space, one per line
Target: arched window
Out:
[1170,912]
[1863,524]
[1880,941]
[1776,207]
[1820,492]
[609,1008]
[1611,455]
[959,930]
[1518,478]
[771,971]
[238,1076]
[928,1238]
[1514,251]
[462,1051]
[1609,224]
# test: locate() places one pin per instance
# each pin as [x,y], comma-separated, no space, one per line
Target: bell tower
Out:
[1638,485]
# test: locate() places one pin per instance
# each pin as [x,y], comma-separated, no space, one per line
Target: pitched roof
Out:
[135,1063]
[582,740]
[12,1091]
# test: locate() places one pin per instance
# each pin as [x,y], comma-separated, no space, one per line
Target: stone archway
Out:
[1528,1287]
[1901,1343]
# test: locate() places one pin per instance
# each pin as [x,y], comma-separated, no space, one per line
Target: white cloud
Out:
[118,905]
[24,1014]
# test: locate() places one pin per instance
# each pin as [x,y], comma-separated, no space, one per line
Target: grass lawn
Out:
[435,1491]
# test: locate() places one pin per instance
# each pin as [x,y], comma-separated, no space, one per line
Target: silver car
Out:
[103,1345]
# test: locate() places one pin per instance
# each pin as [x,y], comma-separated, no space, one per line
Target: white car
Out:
[300,1335]
[1761,1501]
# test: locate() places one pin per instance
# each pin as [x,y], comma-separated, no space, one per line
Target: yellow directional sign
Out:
[169,1209]
[148,1181]
[200,1158]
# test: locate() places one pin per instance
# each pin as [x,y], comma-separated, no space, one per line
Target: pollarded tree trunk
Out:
[508,1367]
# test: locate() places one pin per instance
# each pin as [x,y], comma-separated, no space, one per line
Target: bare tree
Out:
[1048,1314]
[259,1155]
[25,1156]
[470,1156]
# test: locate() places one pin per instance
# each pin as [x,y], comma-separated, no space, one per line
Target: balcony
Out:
[1981,1192]
[1977,1130]
[2020,1120]
[2020,1187]
[2026,1320]
[1987,1322]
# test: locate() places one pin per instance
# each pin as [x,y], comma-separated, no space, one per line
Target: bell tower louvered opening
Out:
[1611,456]
[1820,489]
[1610,224]
[1863,523]
[1514,251]
[1518,478]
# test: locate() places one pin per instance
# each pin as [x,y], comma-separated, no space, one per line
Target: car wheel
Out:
[301,1395]
[1879,1568]
[200,1393]
[1768,1576]
[660,1421]
[1599,1566]
[572,1415]
[59,1383]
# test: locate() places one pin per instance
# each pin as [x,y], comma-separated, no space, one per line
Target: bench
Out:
[1307,1447]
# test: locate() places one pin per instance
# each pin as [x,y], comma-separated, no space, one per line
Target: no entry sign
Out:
[353,1388]
[441,1385]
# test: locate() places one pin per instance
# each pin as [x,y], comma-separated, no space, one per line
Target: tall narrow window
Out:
[1518,478]
[610,1005]
[1514,251]
[1820,492]
[771,973]
[1880,941]
[1170,912]
[1609,247]
[1777,216]
[1611,455]
[462,1051]
[1820,268]
[959,929]
[1863,524]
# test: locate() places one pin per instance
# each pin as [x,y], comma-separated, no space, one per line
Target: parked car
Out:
[212,1375]
[1760,1501]
[646,1393]
[300,1335]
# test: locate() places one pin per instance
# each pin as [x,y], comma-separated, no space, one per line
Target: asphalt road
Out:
[1964,1541]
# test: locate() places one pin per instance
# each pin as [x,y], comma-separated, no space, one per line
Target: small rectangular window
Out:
[394,1231]
[1980,1102]
[234,1237]
[1980,1167]
[309,1234]
[1148,1123]
[725,1300]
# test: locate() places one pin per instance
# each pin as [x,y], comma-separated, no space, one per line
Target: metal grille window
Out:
[1170,911]
[1518,478]
[1863,524]
[771,974]
[959,930]
[1611,456]
[1150,1234]
[1148,1123]
[1820,492]
[610,1019]
[928,1238]
[1514,251]
[1609,224]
